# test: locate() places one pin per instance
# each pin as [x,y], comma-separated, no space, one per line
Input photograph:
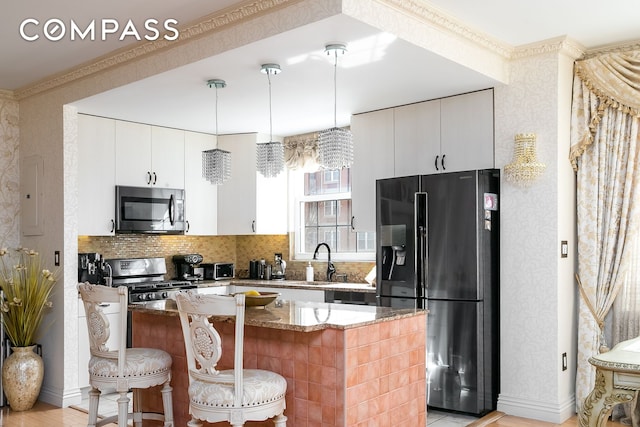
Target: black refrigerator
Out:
[438,248]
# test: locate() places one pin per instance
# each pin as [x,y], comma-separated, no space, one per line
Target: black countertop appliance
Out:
[186,267]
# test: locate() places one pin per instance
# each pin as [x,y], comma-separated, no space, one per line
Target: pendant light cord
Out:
[270,113]
[216,110]
[335,89]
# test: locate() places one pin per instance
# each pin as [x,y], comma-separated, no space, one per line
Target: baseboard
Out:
[55,398]
[536,410]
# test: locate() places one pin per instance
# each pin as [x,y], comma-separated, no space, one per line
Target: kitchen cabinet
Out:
[112,312]
[249,203]
[416,137]
[201,197]
[97,172]
[290,294]
[466,132]
[149,155]
[444,135]
[373,155]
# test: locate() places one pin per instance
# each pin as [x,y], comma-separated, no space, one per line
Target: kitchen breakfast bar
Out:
[345,365]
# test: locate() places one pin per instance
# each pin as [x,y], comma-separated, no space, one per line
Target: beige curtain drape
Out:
[604,152]
[301,152]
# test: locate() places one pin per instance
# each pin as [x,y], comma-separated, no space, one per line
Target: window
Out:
[323,209]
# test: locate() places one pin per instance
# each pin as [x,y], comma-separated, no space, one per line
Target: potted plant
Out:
[26,288]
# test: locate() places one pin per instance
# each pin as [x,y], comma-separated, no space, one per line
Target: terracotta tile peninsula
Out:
[345,365]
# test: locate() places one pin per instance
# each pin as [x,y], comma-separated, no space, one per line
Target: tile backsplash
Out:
[237,249]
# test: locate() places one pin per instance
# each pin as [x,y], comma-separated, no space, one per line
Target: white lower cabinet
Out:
[112,311]
[291,294]
[214,290]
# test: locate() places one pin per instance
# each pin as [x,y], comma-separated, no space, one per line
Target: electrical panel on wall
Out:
[32,181]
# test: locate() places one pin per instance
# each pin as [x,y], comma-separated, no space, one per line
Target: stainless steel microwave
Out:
[149,210]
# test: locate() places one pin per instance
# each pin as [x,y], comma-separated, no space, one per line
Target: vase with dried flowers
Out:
[26,288]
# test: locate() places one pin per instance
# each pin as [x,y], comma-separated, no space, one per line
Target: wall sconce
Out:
[216,163]
[525,168]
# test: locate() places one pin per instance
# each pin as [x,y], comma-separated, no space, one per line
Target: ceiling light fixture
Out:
[270,155]
[216,163]
[525,167]
[335,145]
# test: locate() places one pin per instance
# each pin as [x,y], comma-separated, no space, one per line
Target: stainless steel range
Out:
[145,278]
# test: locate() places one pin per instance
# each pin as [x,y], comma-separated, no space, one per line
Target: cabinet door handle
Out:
[188,227]
[442,162]
[113,226]
[253,226]
[436,162]
[148,177]
[352,220]
[155,178]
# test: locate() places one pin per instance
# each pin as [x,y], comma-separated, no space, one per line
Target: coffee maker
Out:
[186,267]
[91,268]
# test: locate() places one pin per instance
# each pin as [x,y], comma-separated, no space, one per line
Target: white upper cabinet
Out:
[167,157]
[149,155]
[416,138]
[466,132]
[97,175]
[373,158]
[443,135]
[201,197]
[248,203]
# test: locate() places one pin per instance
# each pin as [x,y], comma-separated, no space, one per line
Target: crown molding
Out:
[613,48]
[7,94]
[562,44]
[435,17]
[231,16]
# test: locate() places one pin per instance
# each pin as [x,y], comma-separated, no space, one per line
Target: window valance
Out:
[610,80]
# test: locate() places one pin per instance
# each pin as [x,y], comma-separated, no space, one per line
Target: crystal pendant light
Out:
[270,155]
[335,145]
[216,163]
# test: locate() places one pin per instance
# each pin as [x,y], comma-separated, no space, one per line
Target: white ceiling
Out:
[378,70]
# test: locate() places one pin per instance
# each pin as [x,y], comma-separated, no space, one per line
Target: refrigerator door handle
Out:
[421,253]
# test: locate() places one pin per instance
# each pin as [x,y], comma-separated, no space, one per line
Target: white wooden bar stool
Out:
[617,381]
[121,368]
[235,395]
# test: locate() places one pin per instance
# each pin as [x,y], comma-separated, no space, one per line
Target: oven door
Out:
[149,210]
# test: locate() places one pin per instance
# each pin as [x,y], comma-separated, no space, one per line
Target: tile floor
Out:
[446,419]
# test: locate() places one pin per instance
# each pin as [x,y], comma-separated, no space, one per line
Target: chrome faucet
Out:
[331,270]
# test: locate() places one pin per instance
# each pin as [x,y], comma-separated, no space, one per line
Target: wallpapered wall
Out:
[237,249]
[9,173]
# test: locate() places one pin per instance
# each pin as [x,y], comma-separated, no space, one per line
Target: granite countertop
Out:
[293,284]
[299,316]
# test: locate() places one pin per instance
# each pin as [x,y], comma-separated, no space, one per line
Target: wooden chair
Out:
[235,395]
[617,381]
[121,368]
